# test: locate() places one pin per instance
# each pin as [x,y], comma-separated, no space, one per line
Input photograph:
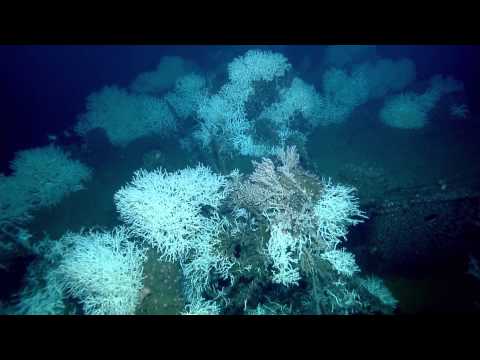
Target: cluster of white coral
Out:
[282,249]
[125,116]
[178,213]
[41,300]
[201,306]
[205,259]
[342,261]
[198,269]
[336,210]
[299,98]
[257,65]
[385,75]
[226,127]
[410,110]
[348,88]
[223,118]
[41,177]
[169,69]
[104,271]
[51,174]
[376,287]
[168,210]
[342,92]
[165,208]
[247,146]
[405,111]
[190,90]
[302,225]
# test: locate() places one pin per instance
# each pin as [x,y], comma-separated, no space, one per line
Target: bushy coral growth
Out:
[376,287]
[232,236]
[342,92]
[349,89]
[223,116]
[330,112]
[410,110]
[51,174]
[336,210]
[104,271]
[256,65]
[286,106]
[124,116]
[201,306]
[439,87]
[177,213]
[342,261]
[223,119]
[44,299]
[169,69]
[299,98]
[385,75]
[165,208]
[190,90]
[281,248]
[41,177]
[405,111]
[306,216]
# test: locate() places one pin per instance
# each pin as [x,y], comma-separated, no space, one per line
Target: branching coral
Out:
[41,177]
[342,261]
[404,111]
[306,217]
[281,248]
[190,90]
[168,70]
[376,287]
[257,65]
[342,92]
[45,299]
[385,75]
[201,306]
[223,116]
[104,271]
[165,208]
[125,116]
[410,110]
[177,213]
[51,174]
[299,98]
[336,210]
